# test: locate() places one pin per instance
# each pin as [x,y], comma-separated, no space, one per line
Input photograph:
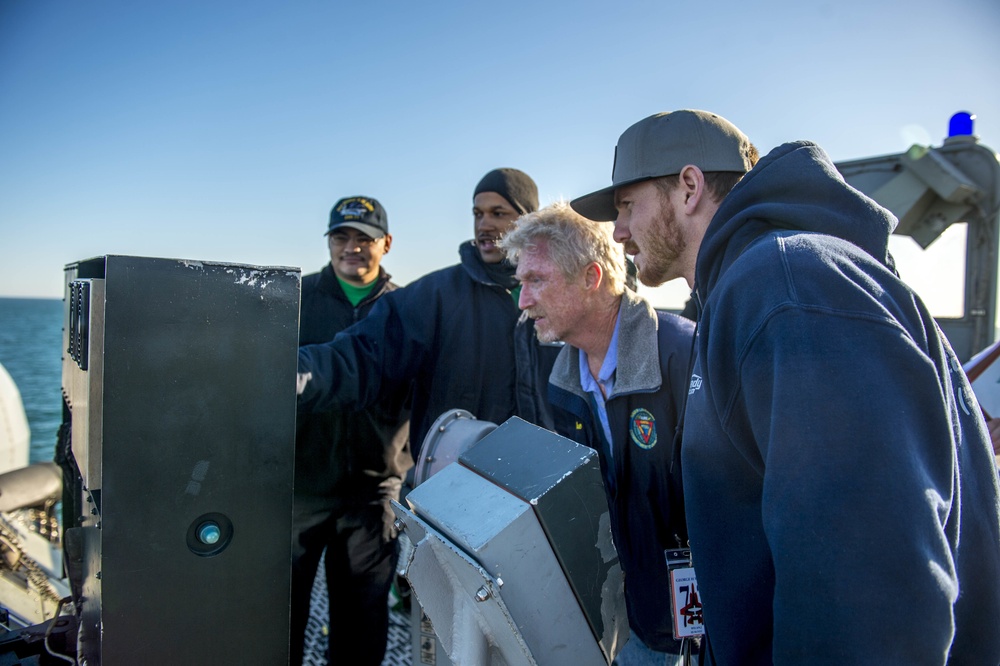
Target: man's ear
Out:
[691,183]
[388,243]
[592,276]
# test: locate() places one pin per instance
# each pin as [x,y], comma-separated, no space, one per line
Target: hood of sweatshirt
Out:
[794,187]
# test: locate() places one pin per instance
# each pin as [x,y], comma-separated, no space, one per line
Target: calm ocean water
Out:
[31,351]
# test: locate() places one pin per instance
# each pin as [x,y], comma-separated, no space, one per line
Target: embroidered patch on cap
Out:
[355,208]
[643,429]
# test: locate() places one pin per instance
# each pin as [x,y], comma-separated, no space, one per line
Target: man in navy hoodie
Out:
[839,484]
[620,382]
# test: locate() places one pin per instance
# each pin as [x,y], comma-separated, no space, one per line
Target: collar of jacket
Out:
[328,283]
[473,265]
[638,353]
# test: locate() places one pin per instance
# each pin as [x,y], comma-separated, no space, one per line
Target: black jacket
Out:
[644,486]
[346,454]
[454,335]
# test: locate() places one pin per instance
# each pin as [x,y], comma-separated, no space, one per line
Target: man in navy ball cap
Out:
[348,464]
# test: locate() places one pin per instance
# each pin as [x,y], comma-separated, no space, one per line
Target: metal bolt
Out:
[398,525]
[209,534]
[483,594]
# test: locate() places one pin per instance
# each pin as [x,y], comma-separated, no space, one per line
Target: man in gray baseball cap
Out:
[649,157]
[833,455]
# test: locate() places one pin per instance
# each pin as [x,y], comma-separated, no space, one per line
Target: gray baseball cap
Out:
[662,145]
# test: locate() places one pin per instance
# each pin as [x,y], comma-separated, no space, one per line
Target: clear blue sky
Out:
[225,130]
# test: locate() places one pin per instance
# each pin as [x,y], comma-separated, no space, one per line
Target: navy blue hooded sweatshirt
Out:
[840,488]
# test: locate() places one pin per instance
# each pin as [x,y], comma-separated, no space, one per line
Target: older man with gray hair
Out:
[619,386]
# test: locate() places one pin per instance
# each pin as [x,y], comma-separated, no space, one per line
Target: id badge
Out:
[685,602]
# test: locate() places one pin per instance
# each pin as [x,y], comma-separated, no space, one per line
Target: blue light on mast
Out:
[961,124]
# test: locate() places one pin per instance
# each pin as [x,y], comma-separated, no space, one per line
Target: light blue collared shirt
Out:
[605,378]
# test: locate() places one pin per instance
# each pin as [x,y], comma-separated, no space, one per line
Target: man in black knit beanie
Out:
[453,335]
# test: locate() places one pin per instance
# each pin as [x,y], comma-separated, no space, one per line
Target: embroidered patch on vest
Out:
[643,429]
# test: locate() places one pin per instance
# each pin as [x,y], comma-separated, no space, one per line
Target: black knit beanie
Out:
[514,186]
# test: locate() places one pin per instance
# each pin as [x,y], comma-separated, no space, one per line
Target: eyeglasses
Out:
[360,240]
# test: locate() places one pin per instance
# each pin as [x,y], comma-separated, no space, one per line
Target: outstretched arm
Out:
[377,355]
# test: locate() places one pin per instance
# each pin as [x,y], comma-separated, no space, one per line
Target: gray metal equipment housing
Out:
[509,553]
